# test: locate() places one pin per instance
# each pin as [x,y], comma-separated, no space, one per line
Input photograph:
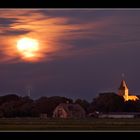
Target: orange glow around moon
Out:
[28,47]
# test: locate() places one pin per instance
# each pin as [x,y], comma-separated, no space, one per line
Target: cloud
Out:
[12,32]
[52,32]
[7,22]
[69,33]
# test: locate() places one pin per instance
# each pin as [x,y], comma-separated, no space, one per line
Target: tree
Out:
[132,106]
[83,103]
[8,98]
[107,102]
[17,107]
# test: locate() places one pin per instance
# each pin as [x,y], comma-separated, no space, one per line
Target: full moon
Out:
[28,47]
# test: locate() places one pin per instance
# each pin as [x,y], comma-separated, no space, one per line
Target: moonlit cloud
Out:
[14,32]
[53,32]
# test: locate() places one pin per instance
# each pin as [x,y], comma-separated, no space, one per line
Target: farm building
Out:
[67,110]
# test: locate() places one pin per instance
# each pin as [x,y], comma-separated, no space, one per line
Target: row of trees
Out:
[16,106]
[111,102]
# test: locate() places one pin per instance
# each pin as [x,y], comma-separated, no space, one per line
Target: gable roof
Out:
[71,107]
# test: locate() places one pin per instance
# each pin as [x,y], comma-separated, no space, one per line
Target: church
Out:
[124,91]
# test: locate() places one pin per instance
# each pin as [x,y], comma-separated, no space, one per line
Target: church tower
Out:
[123,90]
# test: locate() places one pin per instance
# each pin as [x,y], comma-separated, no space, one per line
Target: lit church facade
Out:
[124,91]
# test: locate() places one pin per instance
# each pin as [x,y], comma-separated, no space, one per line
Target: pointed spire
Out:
[123,85]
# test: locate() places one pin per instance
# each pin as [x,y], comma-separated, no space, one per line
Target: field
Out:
[37,124]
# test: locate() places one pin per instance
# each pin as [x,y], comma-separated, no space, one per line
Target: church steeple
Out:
[123,85]
[123,89]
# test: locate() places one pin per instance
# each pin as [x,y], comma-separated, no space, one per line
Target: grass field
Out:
[36,124]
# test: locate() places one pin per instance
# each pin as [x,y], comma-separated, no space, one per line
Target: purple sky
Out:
[82,52]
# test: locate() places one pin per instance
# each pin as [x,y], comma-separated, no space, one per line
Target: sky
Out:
[79,53]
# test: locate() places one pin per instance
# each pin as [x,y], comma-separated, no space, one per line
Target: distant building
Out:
[67,110]
[124,91]
[117,115]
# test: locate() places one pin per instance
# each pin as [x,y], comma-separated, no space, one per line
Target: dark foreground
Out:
[36,124]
